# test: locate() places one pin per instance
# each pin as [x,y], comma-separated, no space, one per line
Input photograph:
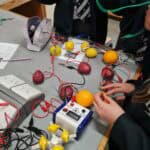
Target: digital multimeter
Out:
[72,116]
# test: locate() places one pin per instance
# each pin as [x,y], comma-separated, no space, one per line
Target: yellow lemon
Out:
[110,57]
[85,45]
[55,50]
[58,147]
[69,45]
[91,52]
[85,98]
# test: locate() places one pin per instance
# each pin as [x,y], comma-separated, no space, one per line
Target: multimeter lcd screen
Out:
[73,115]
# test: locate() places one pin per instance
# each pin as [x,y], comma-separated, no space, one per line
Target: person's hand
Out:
[147,19]
[114,88]
[107,108]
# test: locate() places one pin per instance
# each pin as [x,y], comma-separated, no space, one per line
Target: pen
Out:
[12,60]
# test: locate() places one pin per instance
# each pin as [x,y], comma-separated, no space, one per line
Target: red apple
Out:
[38,77]
[65,91]
[107,73]
[84,68]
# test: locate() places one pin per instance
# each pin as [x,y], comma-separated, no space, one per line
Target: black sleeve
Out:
[47,1]
[127,135]
[136,83]
[112,4]
[146,61]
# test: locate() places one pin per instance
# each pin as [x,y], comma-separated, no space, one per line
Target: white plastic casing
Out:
[68,122]
[10,111]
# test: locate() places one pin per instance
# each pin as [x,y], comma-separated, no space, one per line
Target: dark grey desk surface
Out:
[13,32]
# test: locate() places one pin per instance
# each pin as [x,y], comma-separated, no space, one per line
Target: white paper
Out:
[7,50]
[77,48]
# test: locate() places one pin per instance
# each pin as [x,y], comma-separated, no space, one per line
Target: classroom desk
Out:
[13,32]
[25,7]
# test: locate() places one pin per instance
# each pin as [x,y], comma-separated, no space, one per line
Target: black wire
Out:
[27,140]
[73,68]
[18,139]
[32,137]
[29,137]
[24,141]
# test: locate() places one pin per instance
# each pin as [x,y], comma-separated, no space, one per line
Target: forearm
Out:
[127,135]
[47,1]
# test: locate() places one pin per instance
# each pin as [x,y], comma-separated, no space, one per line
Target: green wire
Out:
[120,8]
[127,36]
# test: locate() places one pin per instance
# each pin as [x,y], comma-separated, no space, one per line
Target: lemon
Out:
[91,52]
[110,57]
[58,147]
[69,45]
[55,50]
[85,98]
[85,45]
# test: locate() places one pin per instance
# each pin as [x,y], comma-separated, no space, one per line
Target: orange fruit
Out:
[110,57]
[69,45]
[85,98]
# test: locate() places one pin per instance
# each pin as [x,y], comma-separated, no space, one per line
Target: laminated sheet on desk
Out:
[66,56]
[7,50]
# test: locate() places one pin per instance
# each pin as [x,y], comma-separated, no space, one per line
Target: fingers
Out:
[97,97]
[114,91]
[101,99]
[107,99]
[109,86]
[98,100]
[98,109]
[120,98]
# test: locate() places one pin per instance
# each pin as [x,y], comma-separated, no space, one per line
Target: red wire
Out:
[52,73]
[56,38]
[50,110]
[33,108]
[7,117]
[17,115]
[2,139]
[4,104]
[49,75]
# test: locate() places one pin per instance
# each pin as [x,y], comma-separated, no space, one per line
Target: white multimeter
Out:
[72,117]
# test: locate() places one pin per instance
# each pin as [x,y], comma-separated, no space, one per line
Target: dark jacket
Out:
[132,23]
[127,134]
[63,19]
[146,61]
[131,131]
